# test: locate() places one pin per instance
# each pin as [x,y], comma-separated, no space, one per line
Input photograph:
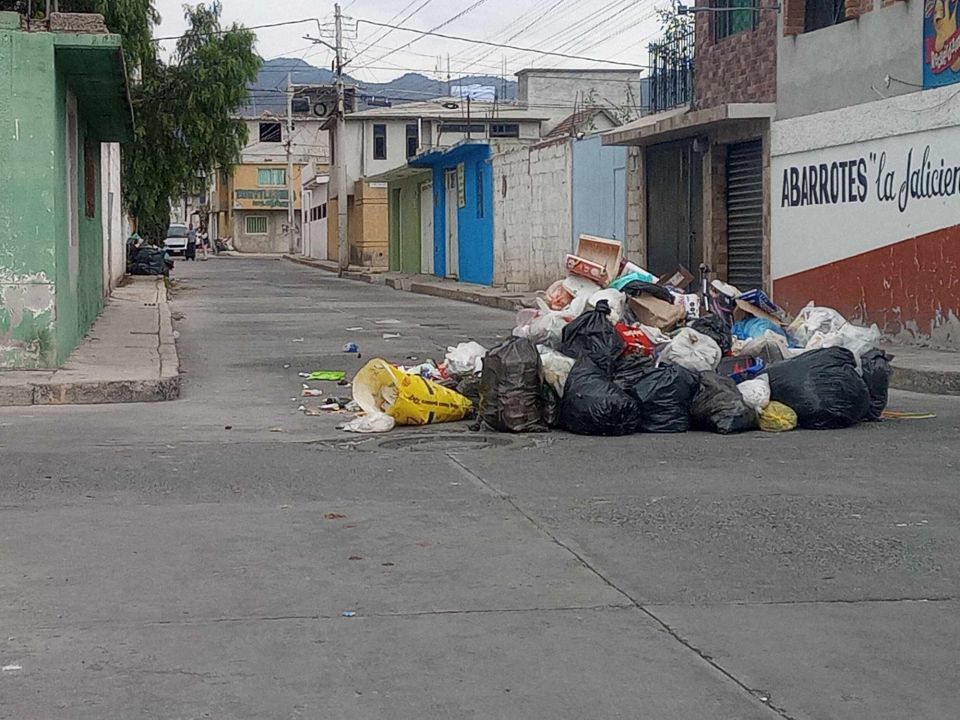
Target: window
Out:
[738,15]
[271,132]
[89,179]
[505,130]
[475,128]
[479,172]
[271,177]
[256,224]
[323,211]
[823,13]
[379,142]
[413,139]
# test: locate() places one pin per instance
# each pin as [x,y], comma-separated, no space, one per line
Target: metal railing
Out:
[671,73]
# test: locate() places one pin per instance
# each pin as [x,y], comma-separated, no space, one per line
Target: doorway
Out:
[674,207]
[452,205]
[426,228]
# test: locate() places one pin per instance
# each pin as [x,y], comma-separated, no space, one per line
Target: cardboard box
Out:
[596,258]
[679,278]
[657,313]
[744,310]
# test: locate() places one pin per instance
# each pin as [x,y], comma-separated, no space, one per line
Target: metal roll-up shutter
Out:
[745,215]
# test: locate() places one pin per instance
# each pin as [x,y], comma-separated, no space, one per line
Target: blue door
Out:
[599,190]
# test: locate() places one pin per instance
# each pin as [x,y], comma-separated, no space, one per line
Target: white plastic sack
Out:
[854,338]
[524,318]
[554,368]
[465,358]
[577,286]
[813,319]
[692,350]
[616,299]
[372,423]
[756,392]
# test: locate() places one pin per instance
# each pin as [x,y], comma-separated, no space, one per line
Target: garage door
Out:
[745,215]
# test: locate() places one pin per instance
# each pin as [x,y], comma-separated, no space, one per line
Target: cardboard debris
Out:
[596,258]
[679,278]
[656,312]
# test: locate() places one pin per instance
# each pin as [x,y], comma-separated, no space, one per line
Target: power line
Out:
[242,27]
[459,15]
[382,36]
[536,51]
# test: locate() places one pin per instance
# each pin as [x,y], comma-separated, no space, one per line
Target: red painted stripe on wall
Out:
[911,287]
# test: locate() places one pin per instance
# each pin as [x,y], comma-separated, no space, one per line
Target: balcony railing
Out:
[671,73]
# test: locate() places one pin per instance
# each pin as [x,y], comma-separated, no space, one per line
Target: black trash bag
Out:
[593,404]
[823,388]
[719,407]
[148,260]
[629,370]
[875,366]
[510,387]
[663,396]
[593,336]
[635,288]
[550,405]
[469,386]
[712,326]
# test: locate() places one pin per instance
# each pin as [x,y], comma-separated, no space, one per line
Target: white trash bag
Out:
[756,392]
[554,368]
[370,424]
[811,320]
[465,358]
[615,299]
[692,350]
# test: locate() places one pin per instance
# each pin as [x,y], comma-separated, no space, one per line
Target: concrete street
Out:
[194,559]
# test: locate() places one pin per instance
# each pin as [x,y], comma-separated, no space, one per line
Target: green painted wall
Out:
[405,225]
[50,292]
[28,204]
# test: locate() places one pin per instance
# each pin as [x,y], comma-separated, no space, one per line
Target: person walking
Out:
[191,252]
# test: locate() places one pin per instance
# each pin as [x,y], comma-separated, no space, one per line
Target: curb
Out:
[405,284]
[165,387]
[929,382]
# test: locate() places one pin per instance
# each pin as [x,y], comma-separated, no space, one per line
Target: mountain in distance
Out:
[267,92]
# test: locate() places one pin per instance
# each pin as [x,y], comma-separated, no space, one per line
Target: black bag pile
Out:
[592,336]
[713,326]
[594,403]
[664,395]
[823,387]
[510,399]
[875,366]
[719,407]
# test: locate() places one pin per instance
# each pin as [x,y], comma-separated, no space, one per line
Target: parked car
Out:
[176,241]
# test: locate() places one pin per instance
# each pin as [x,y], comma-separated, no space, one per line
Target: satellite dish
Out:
[450,105]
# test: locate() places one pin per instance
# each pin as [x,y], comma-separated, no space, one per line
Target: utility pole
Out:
[340,149]
[291,226]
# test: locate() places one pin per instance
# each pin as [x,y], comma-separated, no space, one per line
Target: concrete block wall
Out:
[533,216]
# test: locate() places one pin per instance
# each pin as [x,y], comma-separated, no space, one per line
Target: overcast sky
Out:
[604,29]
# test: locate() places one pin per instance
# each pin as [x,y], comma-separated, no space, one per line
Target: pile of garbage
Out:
[638,353]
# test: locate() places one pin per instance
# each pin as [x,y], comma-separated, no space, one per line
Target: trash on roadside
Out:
[593,336]
[777,417]
[875,369]
[310,392]
[756,392]
[351,348]
[348,613]
[693,350]
[593,404]
[823,387]
[663,396]
[371,423]
[555,367]
[324,375]
[391,336]
[380,387]
[720,408]
[465,358]
[713,327]
[653,311]
[510,387]
[596,259]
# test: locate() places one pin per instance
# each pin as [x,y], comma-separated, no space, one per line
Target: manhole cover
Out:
[447,442]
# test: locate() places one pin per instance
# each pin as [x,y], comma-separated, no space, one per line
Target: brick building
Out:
[698,176]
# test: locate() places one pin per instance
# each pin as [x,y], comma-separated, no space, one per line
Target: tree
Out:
[185,125]
[184,109]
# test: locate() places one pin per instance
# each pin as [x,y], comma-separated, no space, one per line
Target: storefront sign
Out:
[461,186]
[252,199]
[941,43]
[837,202]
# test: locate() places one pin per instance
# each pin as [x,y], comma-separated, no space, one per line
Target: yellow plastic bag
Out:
[379,387]
[777,417]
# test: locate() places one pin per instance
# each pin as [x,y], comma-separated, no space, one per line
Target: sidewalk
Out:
[916,369]
[429,285]
[129,356]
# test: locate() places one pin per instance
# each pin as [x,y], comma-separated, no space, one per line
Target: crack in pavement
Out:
[490,489]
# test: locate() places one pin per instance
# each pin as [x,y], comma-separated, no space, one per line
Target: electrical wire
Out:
[536,51]
[470,8]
